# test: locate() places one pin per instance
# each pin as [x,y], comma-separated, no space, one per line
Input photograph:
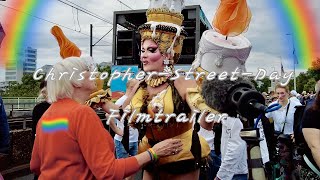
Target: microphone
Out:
[239,97]
[234,97]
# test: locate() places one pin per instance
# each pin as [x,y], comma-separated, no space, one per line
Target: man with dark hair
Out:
[4,129]
[310,102]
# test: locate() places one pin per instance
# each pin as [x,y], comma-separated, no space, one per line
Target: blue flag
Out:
[295,58]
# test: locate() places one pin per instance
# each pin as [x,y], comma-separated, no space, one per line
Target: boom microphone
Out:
[239,97]
[233,97]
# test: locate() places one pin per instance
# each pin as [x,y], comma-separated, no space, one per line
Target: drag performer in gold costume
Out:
[161,43]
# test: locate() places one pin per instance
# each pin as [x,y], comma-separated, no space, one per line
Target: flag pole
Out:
[294,63]
[294,76]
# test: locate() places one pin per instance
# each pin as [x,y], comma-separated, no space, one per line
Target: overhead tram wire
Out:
[124,4]
[90,13]
[102,37]
[73,5]
[48,21]
[77,7]
[84,10]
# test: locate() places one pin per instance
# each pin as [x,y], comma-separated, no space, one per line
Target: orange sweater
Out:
[71,143]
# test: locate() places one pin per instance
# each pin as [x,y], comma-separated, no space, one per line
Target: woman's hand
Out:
[119,132]
[168,147]
[292,138]
[109,107]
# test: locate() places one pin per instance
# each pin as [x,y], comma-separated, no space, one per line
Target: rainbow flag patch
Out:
[59,124]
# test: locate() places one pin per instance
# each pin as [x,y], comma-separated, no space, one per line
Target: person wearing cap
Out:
[161,44]
[71,142]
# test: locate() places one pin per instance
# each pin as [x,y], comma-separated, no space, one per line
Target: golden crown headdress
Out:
[163,26]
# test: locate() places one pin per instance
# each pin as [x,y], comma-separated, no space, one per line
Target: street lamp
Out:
[294,63]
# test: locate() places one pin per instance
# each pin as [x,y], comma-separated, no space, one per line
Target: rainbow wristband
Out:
[154,154]
[150,154]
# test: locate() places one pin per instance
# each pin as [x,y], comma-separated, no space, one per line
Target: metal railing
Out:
[20,123]
[19,103]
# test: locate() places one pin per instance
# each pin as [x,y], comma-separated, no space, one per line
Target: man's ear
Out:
[76,85]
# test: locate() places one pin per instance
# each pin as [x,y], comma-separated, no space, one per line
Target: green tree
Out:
[314,74]
[2,92]
[27,88]
[291,84]
[310,85]
[306,80]
[108,70]
[301,80]
[265,83]
[254,83]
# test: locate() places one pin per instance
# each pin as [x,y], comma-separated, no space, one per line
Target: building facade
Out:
[26,65]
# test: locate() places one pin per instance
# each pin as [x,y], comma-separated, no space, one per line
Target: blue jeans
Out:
[121,151]
[240,177]
[214,165]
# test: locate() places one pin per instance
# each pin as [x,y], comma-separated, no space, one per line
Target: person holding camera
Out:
[283,120]
[284,117]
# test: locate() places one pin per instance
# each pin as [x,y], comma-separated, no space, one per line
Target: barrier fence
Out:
[19,103]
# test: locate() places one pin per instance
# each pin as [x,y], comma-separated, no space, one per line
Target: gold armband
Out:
[196,101]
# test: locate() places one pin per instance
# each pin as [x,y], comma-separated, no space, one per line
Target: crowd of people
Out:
[304,97]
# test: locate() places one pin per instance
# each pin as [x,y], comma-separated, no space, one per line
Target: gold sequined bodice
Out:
[164,101]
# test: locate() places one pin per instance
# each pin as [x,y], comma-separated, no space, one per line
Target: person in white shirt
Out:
[283,119]
[118,126]
[233,151]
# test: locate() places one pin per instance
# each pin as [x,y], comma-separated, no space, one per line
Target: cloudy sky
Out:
[264,34]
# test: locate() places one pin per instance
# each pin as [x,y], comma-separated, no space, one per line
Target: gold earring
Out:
[169,67]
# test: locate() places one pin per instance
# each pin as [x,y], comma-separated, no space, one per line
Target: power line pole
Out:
[95,44]
[91,27]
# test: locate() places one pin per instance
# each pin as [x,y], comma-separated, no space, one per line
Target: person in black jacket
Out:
[4,130]
[311,133]
[40,108]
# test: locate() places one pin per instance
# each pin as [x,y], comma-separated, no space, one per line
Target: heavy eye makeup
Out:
[150,49]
